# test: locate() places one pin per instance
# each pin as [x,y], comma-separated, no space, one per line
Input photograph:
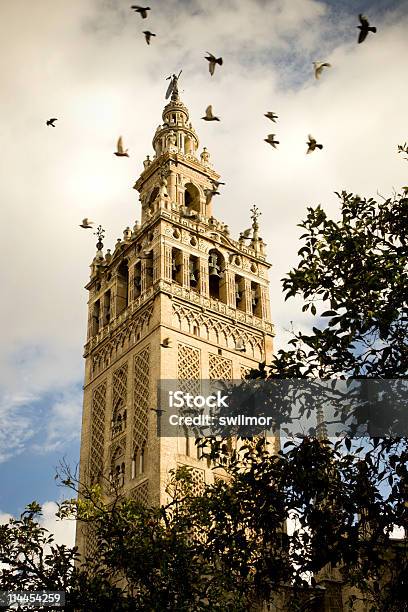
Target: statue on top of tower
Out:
[172,89]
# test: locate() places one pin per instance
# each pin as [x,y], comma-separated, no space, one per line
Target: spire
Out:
[176,134]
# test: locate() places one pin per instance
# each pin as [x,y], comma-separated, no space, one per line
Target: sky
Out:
[86,62]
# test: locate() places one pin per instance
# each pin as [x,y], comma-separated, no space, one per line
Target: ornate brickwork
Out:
[120,385]
[91,545]
[126,335]
[219,368]
[97,433]
[141,398]
[245,370]
[188,368]
[198,480]
[141,493]
[119,412]
[215,329]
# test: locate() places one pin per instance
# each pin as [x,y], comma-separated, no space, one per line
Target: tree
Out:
[228,548]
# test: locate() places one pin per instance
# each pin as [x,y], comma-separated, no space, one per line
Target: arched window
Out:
[239,292]
[256,300]
[137,280]
[95,317]
[138,462]
[177,266]
[192,198]
[122,287]
[216,275]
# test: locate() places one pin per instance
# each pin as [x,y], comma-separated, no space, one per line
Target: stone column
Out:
[131,285]
[186,270]
[247,296]
[166,262]
[203,280]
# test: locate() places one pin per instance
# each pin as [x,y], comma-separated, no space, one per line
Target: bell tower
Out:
[178,298]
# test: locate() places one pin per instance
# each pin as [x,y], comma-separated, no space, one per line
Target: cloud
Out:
[62,530]
[86,63]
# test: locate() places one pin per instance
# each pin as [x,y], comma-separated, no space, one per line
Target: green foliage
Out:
[354,271]
[228,549]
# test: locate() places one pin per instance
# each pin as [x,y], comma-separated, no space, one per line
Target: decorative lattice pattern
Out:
[198,481]
[119,384]
[245,370]
[91,543]
[141,493]
[188,369]
[219,368]
[141,398]
[97,433]
[126,335]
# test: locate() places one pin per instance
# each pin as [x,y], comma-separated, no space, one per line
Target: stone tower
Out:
[178,298]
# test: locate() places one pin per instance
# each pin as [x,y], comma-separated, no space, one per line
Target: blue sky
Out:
[86,63]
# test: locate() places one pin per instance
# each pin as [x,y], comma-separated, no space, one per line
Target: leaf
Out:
[329,313]
[347,442]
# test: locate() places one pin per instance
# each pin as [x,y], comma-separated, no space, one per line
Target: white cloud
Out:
[86,62]
[62,530]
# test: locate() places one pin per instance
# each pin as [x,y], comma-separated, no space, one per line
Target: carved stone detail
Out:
[97,433]
[125,336]
[216,330]
[141,398]
[219,368]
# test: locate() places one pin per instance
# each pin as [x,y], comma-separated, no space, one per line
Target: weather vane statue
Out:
[100,233]
[173,85]
[256,213]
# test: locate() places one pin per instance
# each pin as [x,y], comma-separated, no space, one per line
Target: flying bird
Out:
[148,36]
[209,115]
[86,223]
[142,10]
[312,144]
[213,60]
[216,184]
[120,151]
[209,193]
[271,140]
[272,116]
[246,234]
[318,68]
[52,121]
[364,28]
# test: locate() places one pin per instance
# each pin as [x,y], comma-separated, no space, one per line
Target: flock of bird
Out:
[213,61]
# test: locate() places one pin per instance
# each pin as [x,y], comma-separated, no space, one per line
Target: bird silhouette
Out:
[52,121]
[148,36]
[271,140]
[364,28]
[318,68]
[86,223]
[312,144]
[213,61]
[142,10]
[216,184]
[209,115]
[272,116]
[246,234]
[120,151]
[209,193]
